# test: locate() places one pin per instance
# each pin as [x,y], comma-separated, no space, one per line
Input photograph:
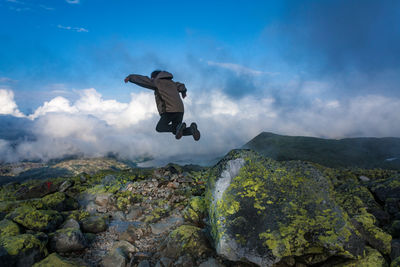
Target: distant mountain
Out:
[349,152]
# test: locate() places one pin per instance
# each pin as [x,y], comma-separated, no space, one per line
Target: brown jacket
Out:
[166,91]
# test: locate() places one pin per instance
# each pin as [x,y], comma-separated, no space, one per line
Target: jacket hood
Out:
[164,75]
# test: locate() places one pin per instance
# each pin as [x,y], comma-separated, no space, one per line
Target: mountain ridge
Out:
[362,152]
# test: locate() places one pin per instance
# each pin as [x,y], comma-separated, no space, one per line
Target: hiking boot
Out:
[195,131]
[179,130]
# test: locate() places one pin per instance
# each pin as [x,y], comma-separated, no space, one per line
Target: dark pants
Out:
[169,121]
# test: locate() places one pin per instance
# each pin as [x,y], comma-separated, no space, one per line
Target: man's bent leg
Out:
[163,124]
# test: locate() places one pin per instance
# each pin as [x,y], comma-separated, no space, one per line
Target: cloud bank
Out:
[93,126]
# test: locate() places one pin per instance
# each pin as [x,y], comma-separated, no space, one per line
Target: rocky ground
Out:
[227,215]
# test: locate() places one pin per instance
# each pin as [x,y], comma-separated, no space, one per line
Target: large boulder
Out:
[36,220]
[56,260]
[263,211]
[22,250]
[8,228]
[67,240]
[185,240]
[94,224]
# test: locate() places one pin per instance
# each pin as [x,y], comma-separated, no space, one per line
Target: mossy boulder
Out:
[385,189]
[21,250]
[93,224]
[36,190]
[186,240]
[261,211]
[8,228]
[55,260]
[60,202]
[67,240]
[372,259]
[36,220]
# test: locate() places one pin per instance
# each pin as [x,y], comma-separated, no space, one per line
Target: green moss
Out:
[291,208]
[156,214]
[8,228]
[395,262]
[54,201]
[14,245]
[189,240]
[55,260]
[37,220]
[77,215]
[196,209]
[372,259]
[373,234]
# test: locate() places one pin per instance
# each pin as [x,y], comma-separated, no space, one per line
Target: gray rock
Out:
[144,263]
[166,262]
[91,207]
[67,240]
[94,224]
[364,178]
[118,215]
[395,229]
[21,250]
[109,180]
[71,223]
[185,240]
[166,224]
[211,262]
[134,213]
[281,207]
[125,246]
[395,253]
[65,185]
[115,258]
[102,199]
[184,261]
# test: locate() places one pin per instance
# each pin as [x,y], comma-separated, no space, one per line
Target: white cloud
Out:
[93,126]
[239,69]
[75,29]
[73,1]
[8,105]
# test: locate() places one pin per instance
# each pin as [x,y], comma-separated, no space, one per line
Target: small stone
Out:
[166,224]
[118,215]
[166,262]
[65,185]
[184,261]
[142,255]
[144,263]
[364,178]
[134,213]
[103,199]
[115,258]
[211,262]
[173,185]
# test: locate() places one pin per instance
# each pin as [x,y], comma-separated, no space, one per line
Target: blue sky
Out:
[316,68]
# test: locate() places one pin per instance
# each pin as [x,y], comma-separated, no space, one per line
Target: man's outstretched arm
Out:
[141,80]
[181,88]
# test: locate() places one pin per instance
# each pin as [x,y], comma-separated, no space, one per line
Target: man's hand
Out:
[126,80]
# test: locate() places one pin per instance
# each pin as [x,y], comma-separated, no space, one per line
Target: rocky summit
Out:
[247,210]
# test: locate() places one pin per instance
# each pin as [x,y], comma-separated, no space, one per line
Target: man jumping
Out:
[169,103]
